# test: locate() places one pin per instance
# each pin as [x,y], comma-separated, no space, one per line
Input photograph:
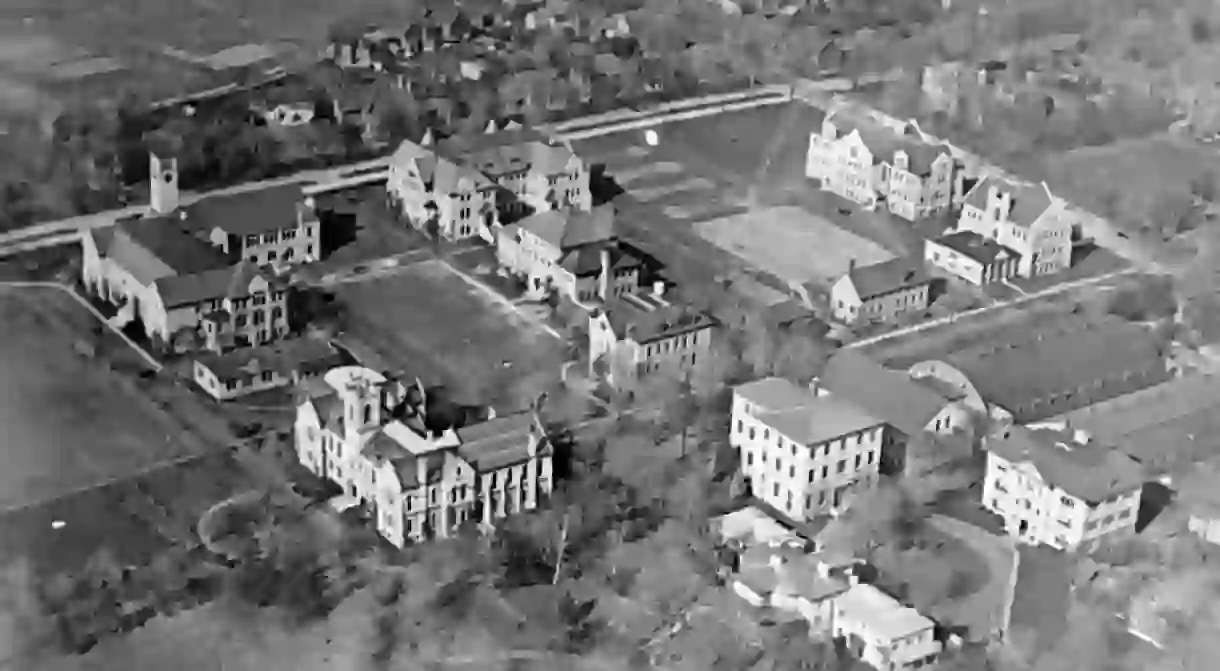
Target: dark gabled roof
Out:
[645,319]
[1092,472]
[1049,363]
[159,247]
[586,261]
[887,277]
[329,408]
[890,395]
[248,212]
[1028,201]
[501,442]
[976,247]
[305,356]
[230,282]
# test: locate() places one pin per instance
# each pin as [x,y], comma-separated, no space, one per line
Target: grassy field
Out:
[1145,168]
[133,519]
[1040,608]
[428,321]
[73,419]
[787,240]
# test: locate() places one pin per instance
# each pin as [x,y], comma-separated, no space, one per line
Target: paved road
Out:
[994,307]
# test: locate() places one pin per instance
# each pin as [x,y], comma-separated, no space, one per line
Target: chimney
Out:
[603,280]
[851,265]
[1081,437]
[658,288]
[163,183]
[421,468]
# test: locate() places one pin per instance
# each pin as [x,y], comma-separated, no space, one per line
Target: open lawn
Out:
[133,519]
[986,609]
[428,321]
[1039,611]
[70,420]
[1145,168]
[792,243]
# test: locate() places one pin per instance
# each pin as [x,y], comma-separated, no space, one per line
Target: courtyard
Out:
[435,322]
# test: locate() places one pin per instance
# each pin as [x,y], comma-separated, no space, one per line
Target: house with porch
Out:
[463,187]
[574,252]
[1025,218]
[878,167]
[204,270]
[972,257]
[369,434]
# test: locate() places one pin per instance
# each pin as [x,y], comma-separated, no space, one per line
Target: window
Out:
[792,471]
[812,474]
[751,433]
[859,458]
[270,257]
[288,234]
[268,238]
[259,298]
[775,489]
[251,240]
[825,472]
[1067,501]
[741,426]
[266,375]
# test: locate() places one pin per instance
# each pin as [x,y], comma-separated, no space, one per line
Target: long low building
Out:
[1168,427]
[246,371]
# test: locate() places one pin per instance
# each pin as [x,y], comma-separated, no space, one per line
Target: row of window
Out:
[840,466]
[272,256]
[870,434]
[272,237]
[681,342]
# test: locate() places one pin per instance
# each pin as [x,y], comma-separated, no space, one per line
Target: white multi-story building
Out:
[882,632]
[1056,487]
[368,434]
[803,453]
[875,165]
[1023,218]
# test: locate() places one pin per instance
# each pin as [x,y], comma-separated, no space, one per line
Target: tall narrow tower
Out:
[163,183]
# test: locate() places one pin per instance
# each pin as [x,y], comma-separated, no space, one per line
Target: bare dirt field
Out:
[70,419]
[428,321]
[792,243]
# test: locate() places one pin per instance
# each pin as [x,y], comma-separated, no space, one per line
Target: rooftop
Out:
[1090,471]
[822,419]
[751,525]
[248,212]
[888,618]
[891,395]
[304,355]
[1029,201]
[883,143]
[1175,422]
[157,247]
[774,393]
[887,277]
[976,247]
[508,152]
[1073,356]
[237,281]
[570,230]
[501,441]
[646,318]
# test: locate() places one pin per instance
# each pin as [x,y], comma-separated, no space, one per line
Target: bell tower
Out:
[163,183]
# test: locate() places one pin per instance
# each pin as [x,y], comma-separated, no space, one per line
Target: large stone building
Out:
[369,434]
[207,270]
[463,187]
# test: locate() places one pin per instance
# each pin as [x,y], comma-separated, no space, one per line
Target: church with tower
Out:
[205,271]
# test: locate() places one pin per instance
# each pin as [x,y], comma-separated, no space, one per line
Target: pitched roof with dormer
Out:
[1029,201]
[887,277]
[1092,472]
[233,282]
[883,142]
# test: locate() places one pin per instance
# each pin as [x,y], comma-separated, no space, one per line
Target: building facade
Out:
[463,188]
[881,292]
[205,271]
[365,433]
[878,167]
[640,336]
[972,257]
[251,370]
[1026,219]
[1056,487]
[572,252]
[803,453]
[882,632]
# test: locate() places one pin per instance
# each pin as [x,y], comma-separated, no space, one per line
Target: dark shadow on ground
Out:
[602,186]
[339,226]
[1153,501]
[939,287]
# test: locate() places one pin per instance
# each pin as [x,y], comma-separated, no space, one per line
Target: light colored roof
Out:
[774,393]
[751,525]
[1093,472]
[889,394]
[823,419]
[887,618]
